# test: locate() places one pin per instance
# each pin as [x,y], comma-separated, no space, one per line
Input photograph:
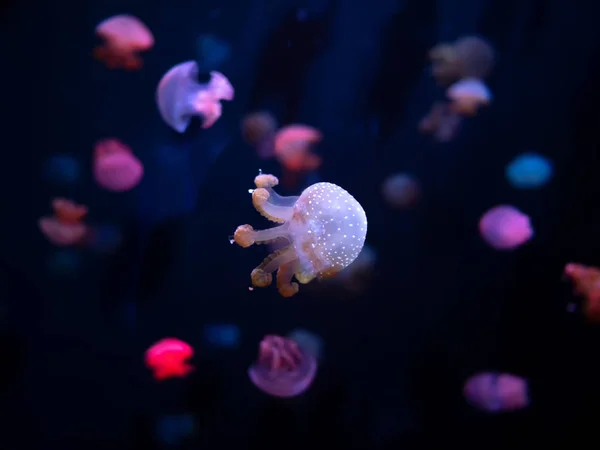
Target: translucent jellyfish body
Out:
[258,130]
[505,227]
[401,190]
[325,227]
[528,171]
[441,122]
[493,392]
[282,368]
[468,95]
[180,96]
[168,358]
[66,227]
[115,166]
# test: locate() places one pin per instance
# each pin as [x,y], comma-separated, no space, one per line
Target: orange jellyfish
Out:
[468,95]
[180,96]
[258,130]
[441,122]
[124,37]
[115,166]
[293,151]
[65,228]
[168,358]
[325,227]
[586,282]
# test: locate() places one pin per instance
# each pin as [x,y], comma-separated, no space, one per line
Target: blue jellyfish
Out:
[222,335]
[529,170]
[171,430]
[212,52]
[105,238]
[62,169]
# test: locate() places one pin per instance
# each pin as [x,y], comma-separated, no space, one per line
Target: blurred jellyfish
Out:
[325,225]
[586,282]
[173,429]
[258,130]
[124,37]
[222,335]
[168,358]
[63,263]
[401,190]
[468,95]
[115,166]
[529,170]
[293,145]
[212,52]
[441,122]
[62,169]
[491,392]
[66,227]
[308,342]
[282,368]
[505,227]
[180,96]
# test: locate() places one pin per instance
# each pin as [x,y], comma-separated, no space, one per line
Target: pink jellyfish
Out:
[468,95]
[180,96]
[441,122]
[505,227]
[282,369]
[168,358]
[325,226]
[401,190]
[65,228]
[492,392]
[293,151]
[124,36]
[115,166]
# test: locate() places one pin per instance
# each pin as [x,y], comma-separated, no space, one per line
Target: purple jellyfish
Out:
[282,368]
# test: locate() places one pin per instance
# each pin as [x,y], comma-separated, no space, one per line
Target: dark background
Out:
[441,306]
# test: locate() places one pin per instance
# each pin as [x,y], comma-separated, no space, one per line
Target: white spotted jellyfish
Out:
[325,226]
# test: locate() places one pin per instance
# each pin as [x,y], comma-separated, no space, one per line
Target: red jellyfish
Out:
[491,392]
[505,227]
[65,228]
[115,166]
[180,96]
[282,369]
[293,151]
[168,358]
[587,284]
[124,36]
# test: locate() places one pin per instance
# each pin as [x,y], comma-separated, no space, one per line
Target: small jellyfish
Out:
[212,52]
[222,335]
[115,166]
[293,150]
[529,170]
[505,227]
[65,228]
[258,130]
[441,122]
[282,369]
[586,282]
[325,227]
[62,169]
[468,95]
[180,96]
[401,190]
[168,358]
[308,342]
[491,392]
[124,37]
[470,56]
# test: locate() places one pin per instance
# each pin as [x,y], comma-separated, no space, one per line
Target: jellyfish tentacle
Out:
[262,275]
[245,235]
[285,286]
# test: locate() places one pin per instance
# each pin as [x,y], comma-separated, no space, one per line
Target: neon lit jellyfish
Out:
[222,335]
[258,130]
[124,37]
[212,52]
[62,169]
[492,392]
[441,122]
[586,282]
[468,95]
[115,166]
[401,190]
[293,145]
[282,368]
[180,96]
[325,226]
[529,170]
[505,227]
[168,358]
[66,227]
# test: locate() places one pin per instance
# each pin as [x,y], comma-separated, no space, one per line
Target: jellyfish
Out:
[586,282]
[292,150]
[505,227]
[441,122]
[325,226]
[401,190]
[115,166]
[180,96]
[308,342]
[492,392]
[468,95]
[65,228]
[282,369]
[470,56]
[168,358]
[62,169]
[258,130]
[124,37]
[529,170]
[212,52]
[222,335]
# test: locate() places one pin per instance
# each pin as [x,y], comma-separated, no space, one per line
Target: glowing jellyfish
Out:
[441,122]
[491,392]
[586,282]
[505,227]
[308,342]
[401,190]
[258,130]
[66,227]
[282,368]
[62,169]
[212,52]
[468,95]
[222,335]
[293,144]
[124,37]
[529,170]
[325,226]
[168,358]
[180,96]
[115,166]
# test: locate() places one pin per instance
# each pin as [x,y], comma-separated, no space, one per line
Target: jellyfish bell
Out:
[115,166]
[325,225]
[293,144]
[308,341]
[504,227]
[493,392]
[124,37]
[444,64]
[168,357]
[258,130]
[468,95]
[528,171]
[475,57]
[401,190]
[65,228]
[180,96]
[586,281]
